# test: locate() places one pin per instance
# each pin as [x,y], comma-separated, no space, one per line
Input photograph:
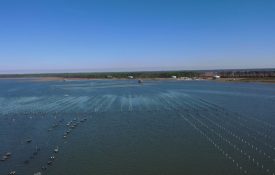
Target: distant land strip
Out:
[245,75]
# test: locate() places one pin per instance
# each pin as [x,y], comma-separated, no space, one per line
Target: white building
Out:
[216,77]
[174,76]
[185,78]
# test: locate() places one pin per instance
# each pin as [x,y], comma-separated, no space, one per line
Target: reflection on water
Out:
[121,127]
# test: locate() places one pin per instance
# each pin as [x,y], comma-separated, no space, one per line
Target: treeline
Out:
[108,75]
[248,74]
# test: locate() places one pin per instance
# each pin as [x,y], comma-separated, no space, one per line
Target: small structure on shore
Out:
[174,77]
[130,77]
[185,78]
[216,77]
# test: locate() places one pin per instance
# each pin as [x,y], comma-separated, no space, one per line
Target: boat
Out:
[38,173]
[29,140]
[8,154]
[83,120]
[12,173]
[56,150]
[4,158]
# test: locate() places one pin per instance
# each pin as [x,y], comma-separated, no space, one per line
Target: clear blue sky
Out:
[58,35]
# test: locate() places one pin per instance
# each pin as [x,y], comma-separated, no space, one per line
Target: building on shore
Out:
[174,77]
[216,77]
[185,78]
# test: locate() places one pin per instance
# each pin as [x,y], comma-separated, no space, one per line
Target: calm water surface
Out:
[123,128]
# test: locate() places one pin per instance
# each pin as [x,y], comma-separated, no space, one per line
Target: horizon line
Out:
[64,71]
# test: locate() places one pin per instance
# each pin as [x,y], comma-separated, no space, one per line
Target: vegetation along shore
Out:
[250,75]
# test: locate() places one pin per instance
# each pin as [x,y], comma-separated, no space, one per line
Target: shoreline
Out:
[230,80]
[247,80]
[75,79]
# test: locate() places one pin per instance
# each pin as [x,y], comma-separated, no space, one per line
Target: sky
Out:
[133,35]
